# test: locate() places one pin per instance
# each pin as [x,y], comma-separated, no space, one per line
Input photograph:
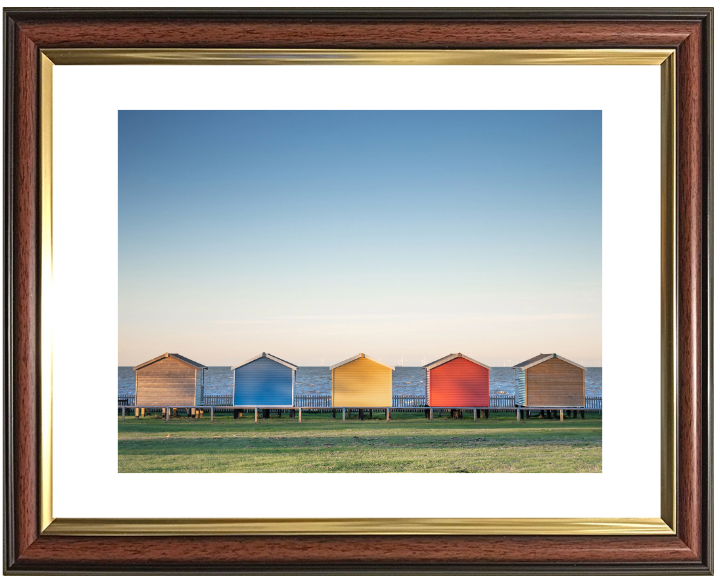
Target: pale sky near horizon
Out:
[317,235]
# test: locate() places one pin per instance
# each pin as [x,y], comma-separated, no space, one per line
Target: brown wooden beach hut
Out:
[169,380]
[550,381]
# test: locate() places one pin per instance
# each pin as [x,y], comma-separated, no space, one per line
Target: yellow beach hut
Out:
[361,382]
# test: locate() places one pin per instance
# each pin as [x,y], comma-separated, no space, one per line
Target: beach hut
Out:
[361,382]
[457,380]
[550,381]
[264,380]
[169,380]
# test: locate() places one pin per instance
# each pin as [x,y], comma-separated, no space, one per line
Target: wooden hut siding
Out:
[166,382]
[362,382]
[264,382]
[555,382]
[459,382]
[199,387]
[520,399]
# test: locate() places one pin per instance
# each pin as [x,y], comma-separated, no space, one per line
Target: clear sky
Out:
[317,235]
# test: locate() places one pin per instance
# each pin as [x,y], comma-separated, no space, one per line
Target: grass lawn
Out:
[408,443]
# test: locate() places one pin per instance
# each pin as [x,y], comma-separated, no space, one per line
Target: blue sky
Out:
[316,235]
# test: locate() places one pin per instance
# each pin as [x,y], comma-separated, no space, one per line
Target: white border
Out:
[86,100]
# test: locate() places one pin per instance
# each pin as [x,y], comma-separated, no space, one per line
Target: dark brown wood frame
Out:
[687,30]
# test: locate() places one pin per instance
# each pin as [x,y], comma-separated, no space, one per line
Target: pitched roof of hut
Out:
[172,355]
[266,355]
[361,355]
[541,358]
[449,357]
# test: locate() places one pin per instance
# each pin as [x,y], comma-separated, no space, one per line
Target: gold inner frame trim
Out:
[182,56]
[46,309]
[665,525]
[358,526]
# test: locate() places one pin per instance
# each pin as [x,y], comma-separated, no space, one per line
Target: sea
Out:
[316,380]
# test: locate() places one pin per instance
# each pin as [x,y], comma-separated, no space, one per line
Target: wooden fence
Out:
[217,400]
[313,400]
[126,399]
[593,402]
[407,401]
[502,400]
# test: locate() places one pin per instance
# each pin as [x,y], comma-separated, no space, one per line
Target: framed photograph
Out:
[383,290]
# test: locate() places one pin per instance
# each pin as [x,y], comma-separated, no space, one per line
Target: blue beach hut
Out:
[264,380]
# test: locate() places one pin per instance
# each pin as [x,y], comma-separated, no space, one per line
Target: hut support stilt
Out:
[431,413]
[561,415]
[343,414]
[212,413]
[137,412]
[387,415]
[167,414]
[475,414]
[300,415]
[255,414]
[518,414]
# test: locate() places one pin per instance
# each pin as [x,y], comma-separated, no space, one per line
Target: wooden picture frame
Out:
[30,545]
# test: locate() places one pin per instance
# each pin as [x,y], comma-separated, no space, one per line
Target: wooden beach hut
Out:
[362,382]
[169,380]
[264,380]
[457,380]
[550,381]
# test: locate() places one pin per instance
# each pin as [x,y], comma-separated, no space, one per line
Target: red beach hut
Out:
[457,380]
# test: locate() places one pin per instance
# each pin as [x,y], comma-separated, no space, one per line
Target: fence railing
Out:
[408,401]
[502,400]
[126,399]
[593,402]
[324,400]
[217,400]
[313,400]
